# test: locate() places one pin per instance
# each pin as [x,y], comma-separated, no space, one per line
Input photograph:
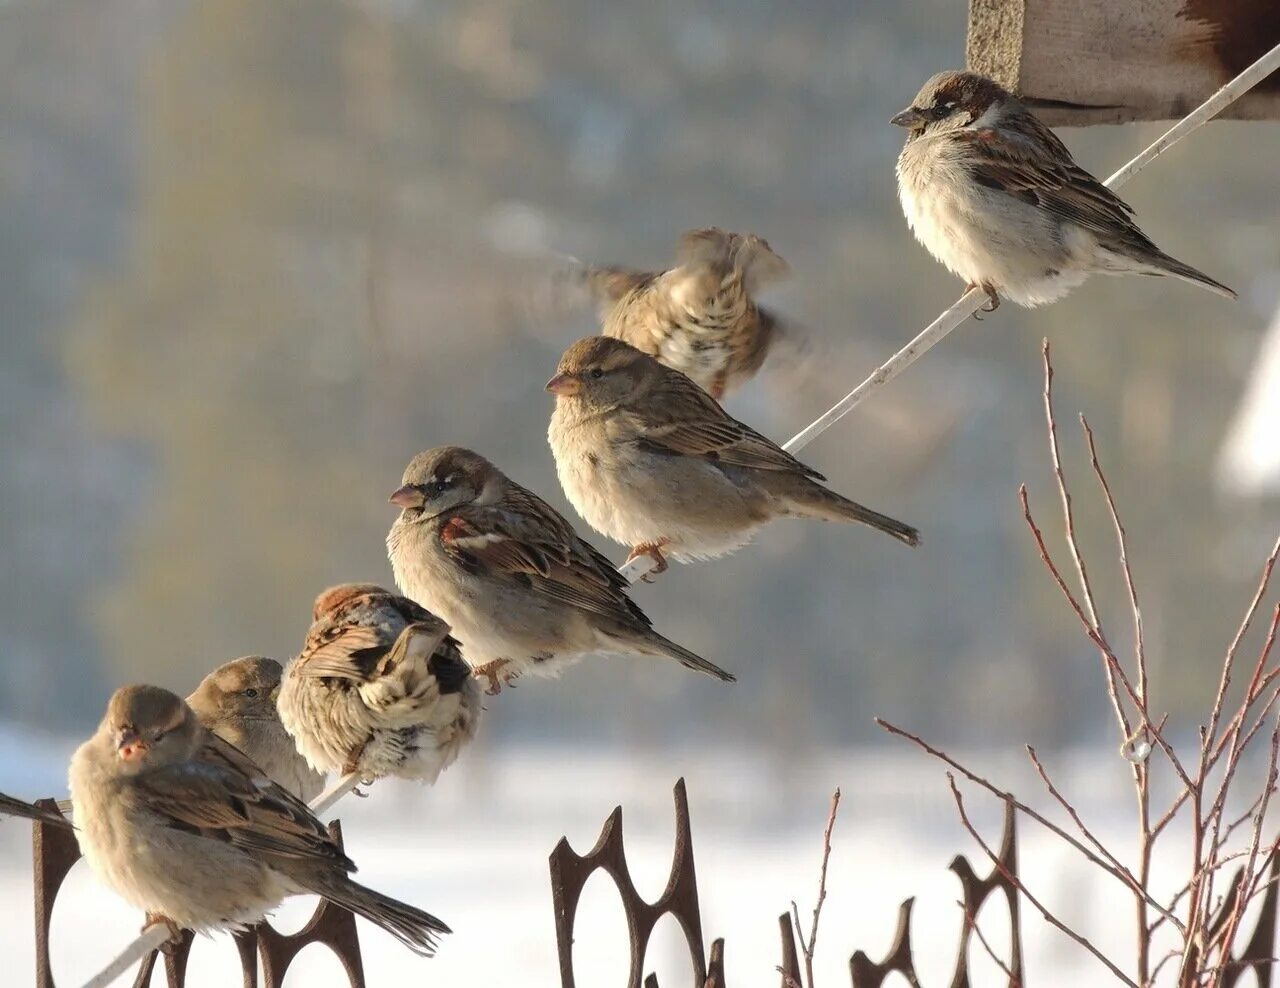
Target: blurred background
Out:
[258,255]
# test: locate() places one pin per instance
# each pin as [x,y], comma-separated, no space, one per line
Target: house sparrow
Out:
[648,459]
[701,316]
[183,825]
[520,589]
[237,701]
[11,806]
[380,688]
[995,196]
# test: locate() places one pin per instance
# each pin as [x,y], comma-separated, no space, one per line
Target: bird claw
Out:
[175,931]
[993,299]
[492,671]
[654,551]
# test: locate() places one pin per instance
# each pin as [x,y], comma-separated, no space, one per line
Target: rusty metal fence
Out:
[55,851]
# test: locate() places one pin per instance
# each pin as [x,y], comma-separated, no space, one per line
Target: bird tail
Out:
[1162,264]
[417,930]
[818,502]
[652,643]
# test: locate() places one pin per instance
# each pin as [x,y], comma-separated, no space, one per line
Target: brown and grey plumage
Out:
[650,460]
[997,198]
[700,317]
[380,687]
[184,826]
[237,701]
[521,591]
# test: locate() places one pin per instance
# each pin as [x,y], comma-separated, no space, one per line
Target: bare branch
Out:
[1013,879]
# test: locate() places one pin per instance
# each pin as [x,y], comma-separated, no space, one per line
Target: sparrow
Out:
[237,702]
[521,591]
[648,459]
[996,197]
[11,806]
[380,688]
[701,316]
[185,826]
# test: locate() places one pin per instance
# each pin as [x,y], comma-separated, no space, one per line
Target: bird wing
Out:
[222,794]
[351,641]
[678,418]
[525,540]
[1029,162]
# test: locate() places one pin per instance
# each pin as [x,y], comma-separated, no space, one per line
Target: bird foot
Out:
[175,931]
[492,671]
[352,763]
[654,551]
[993,298]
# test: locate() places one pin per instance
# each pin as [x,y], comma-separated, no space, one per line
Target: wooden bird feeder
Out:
[1083,62]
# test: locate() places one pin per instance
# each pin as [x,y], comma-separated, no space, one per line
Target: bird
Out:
[521,590]
[12,806]
[996,197]
[183,825]
[380,688]
[237,702]
[700,317]
[648,459]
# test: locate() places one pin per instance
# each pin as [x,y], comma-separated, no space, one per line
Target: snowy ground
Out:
[474,850]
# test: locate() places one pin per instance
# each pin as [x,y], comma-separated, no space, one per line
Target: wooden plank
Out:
[1082,62]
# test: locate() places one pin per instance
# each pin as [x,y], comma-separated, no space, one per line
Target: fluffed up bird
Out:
[237,701]
[996,197]
[12,806]
[648,459]
[700,317]
[380,688]
[520,590]
[181,824]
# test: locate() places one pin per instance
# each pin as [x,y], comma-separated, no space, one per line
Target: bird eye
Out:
[251,692]
[597,373]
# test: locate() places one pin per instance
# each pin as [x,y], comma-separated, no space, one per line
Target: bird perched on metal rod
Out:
[183,825]
[997,198]
[237,701]
[651,461]
[380,688]
[521,591]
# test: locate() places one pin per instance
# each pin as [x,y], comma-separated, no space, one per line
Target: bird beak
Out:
[564,384]
[408,496]
[130,747]
[910,117]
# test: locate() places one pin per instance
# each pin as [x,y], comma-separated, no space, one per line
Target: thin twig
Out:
[1119,872]
[807,948]
[1017,883]
[971,921]
[152,938]
[334,793]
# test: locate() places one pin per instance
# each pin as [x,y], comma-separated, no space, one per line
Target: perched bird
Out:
[996,197]
[183,825]
[237,701]
[521,591]
[11,806]
[380,688]
[648,459]
[701,316]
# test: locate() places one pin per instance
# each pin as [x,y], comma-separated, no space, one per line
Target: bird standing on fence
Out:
[237,701]
[181,824]
[380,688]
[648,459]
[519,588]
[701,316]
[996,197]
